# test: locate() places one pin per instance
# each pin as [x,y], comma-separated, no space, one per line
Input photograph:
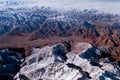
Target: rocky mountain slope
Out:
[25,26]
[59,62]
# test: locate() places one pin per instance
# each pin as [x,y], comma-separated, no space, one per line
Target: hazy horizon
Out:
[110,6]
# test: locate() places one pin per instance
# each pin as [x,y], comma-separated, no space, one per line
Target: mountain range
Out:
[35,25]
[59,40]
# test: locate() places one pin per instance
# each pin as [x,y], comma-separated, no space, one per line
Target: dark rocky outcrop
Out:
[85,74]
[18,50]
[61,50]
[9,64]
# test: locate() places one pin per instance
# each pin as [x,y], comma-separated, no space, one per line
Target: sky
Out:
[106,0]
[111,6]
[86,0]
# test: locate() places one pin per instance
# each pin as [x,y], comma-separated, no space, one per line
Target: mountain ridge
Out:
[41,24]
[79,65]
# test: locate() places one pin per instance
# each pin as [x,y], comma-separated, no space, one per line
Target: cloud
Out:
[106,0]
[83,0]
[111,6]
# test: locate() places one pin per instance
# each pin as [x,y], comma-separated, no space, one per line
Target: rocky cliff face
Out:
[59,62]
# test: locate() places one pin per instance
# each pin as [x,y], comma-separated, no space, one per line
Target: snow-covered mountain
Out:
[58,62]
[23,23]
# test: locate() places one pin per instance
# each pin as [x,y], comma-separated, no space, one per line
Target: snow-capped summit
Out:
[41,64]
